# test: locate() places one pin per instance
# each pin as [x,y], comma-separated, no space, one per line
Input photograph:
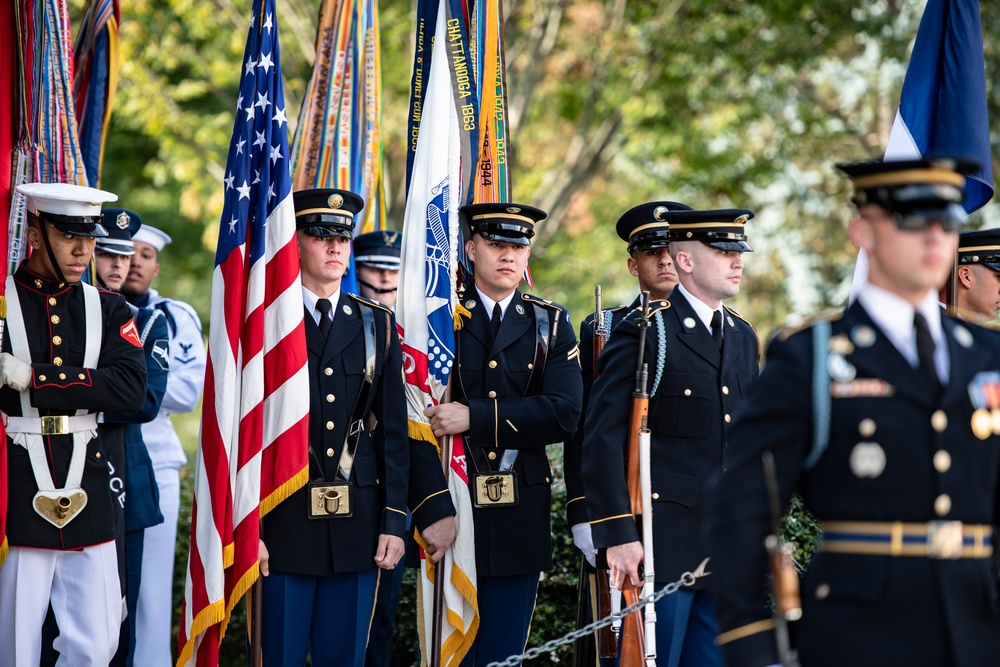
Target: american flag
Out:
[252,451]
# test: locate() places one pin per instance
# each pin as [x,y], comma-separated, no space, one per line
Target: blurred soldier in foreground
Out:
[702,358]
[184,384]
[518,390]
[69,352]
[644,228]
[881,417]
[977,289]
[376,259]
[325,544]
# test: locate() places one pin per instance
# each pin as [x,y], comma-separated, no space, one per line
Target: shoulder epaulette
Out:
[658,306]
[531,298]
[795,324]
[369,302]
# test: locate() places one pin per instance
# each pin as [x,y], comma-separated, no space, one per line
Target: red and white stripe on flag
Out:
[252,452]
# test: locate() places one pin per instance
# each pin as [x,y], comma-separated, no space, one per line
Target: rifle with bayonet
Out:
[638,637]
[784,575]
[607,640]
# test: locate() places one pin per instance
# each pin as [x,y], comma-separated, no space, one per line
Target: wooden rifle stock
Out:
[784,576]
[633,648]
[607,641]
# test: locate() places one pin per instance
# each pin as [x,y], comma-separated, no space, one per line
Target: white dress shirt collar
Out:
[894,316]
[701,309]
[488,303]
[310,299]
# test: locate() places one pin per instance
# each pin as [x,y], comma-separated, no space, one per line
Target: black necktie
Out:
[925,349]
[717,328]
[495,320]
[324,307]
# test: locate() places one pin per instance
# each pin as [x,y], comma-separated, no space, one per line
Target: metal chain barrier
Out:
[687,579]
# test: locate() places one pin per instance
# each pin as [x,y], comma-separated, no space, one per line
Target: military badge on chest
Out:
[984,392]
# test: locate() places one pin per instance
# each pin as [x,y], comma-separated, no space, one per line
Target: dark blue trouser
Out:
[505,608]
[686,630]
[326,617]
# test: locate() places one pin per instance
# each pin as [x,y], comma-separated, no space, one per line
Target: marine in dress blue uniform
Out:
[83,356]
[883,424]
[645,231]
[695,387]
[327,541]
[517,391]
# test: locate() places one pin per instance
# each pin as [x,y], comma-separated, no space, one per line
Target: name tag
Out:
[329,501]
[497,489]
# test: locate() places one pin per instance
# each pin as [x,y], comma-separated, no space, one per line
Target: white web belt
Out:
[57,506]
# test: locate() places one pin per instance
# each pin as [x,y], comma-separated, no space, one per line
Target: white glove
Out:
[13,372]
[584,541]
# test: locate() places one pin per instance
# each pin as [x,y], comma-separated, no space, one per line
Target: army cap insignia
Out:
[335,201]
[867,460]
[122,220]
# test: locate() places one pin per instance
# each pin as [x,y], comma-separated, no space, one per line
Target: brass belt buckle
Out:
[327,501]
[944,539]
[496,489]
[55,425]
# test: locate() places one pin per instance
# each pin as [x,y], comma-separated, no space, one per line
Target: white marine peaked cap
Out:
[65,199]
[152,236]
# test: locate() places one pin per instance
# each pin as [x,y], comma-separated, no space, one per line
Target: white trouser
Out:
[156,604]
[86,599]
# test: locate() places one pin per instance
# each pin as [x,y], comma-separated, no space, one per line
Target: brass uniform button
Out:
[942,504]
[41,378]
[57,361]
[687,392]
[330,398]
[725,391]
[82,376]
[530,366]
[492,455]
[62,376]
[54,319]
[493,363]
[939,421]
[329,452]
[728,419]
[52,301]
[942,460]
[329,426]
[57,340]
[866,427]
[492,394]
[547,479]
[328,371]
[822,591]
[655,496]
[97,455]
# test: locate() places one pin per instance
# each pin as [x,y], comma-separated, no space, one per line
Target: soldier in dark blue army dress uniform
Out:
[645,230]
[977,291]
[327,541]
[518,390]
[702,358]
[882,418]
[69,352]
